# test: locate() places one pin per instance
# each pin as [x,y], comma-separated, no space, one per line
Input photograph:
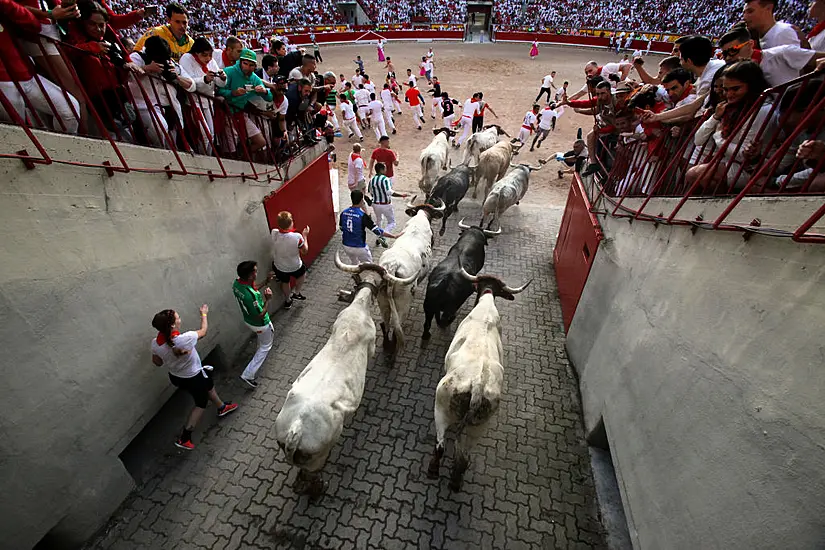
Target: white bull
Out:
[480,142]
[492,165]
[406,263]
[328,391]
[470,392]
[507,192]
[434,159]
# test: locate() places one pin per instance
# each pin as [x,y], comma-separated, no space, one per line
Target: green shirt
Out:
[236,79]
[251,302]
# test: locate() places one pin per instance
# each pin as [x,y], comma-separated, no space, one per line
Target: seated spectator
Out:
[230,54]
[743,84]
[200,66]
[242,84]
[173,32]
[17,68]
[156,98]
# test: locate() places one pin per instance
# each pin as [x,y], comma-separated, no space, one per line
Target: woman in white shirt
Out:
[200,67]
[177,353]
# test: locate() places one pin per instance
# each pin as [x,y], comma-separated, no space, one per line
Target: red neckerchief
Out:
[252,284]
[162,339]
[276,102]
[757,56]
[686,91]
[203,66]
[818,28]
[285,230]
[225,59]
[354,156]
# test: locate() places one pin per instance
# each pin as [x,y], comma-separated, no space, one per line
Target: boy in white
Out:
[357,79]
[376,112]
[287,247]
[348,115]
[469,110]
[528,125]
[388,103]
[355,169]
[368,85]
[362,99]
[546,123]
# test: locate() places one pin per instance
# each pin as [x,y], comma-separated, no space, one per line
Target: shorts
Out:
[198,387]
[251,129]
[283,276]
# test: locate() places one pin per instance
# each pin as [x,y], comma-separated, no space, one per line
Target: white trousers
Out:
[38,100]
[417,114]
[388,119]
[436,104]
[467,125]
[362,113]
[378,127]
[335,122]
[352,127]
[384,211]
[448,121]
[358,255]
[266,335]
[524,135]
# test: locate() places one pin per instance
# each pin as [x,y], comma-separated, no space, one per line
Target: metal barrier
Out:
[751,154]
[141,109]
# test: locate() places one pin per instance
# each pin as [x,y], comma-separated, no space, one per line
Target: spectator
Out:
[817,35]
[306,70]
[680,91]
[287,248]
[199,65]
[177,353]
[267,71]
[665,66]
[242,84]
[286,60]
[759,17]
[173,32]
[299,113]
[230,54]
[253,306]
[808,149]
[155,90]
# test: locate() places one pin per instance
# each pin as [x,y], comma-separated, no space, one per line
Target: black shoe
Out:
[297,296]
[288,304]
[393,130]
[251,383]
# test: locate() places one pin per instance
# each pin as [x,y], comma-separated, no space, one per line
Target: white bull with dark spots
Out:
[506,193]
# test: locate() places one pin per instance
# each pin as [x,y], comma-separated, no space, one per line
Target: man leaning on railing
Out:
[242,84]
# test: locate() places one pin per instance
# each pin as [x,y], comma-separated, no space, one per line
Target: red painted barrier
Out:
[576,246]
[337,37]
[576,40]
[308,196]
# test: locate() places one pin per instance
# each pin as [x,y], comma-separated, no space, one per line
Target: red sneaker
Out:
[185,445]
[227,408]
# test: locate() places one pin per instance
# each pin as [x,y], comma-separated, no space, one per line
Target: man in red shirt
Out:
[383,154]
[413,97]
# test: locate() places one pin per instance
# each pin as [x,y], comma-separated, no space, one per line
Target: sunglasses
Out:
[733,50]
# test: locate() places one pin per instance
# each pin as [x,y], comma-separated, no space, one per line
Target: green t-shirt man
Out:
[252,303]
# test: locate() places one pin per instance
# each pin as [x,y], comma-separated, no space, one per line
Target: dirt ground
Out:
[510,81]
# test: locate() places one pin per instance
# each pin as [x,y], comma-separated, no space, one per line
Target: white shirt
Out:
[217,57]
[370,87]
[529,120]
[191,68]
[296,74]
[411,79]
[356,81]
[548,80]
[637,53]
[355,170]
[386,99]
[347,111]
[779,35]
[470,108]
[559,93]
[362,96]
[428,66]
[376,109]
[182,366]
[612,68]
[286,250]
[703,82]
[546,121]
[818,42]
[783,63]
[282,107]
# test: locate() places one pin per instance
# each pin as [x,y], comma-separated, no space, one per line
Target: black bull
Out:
[447,289]
[450,189]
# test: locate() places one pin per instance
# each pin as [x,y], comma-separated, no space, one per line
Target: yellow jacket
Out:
[178,47]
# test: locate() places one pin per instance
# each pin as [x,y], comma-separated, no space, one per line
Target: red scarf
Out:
[757,56]
[203,66]
[162,339]
[285,230]
[818,28]
[354,156]
[252,284]
[686,91]
[226,62]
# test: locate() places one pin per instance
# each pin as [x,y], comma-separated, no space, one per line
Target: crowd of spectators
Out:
[405,11]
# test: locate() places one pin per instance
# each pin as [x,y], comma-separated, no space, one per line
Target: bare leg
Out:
[194,418]
[285,290]
[213,396]
[299,283]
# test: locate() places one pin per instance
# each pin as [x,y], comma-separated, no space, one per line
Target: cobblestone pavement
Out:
[529,484]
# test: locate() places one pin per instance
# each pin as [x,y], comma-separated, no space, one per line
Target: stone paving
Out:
[529,484]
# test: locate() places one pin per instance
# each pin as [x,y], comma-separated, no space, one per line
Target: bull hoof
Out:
[432,469]
[426,336]
[456,484]
[457,473]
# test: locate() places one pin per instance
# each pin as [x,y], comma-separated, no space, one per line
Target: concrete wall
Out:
[86,262]
[703,355]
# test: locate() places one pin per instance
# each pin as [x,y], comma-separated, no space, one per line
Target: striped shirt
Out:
[380,189]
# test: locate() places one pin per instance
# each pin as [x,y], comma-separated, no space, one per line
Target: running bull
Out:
[506,192]
[434,158]
[470,392]
[449,190]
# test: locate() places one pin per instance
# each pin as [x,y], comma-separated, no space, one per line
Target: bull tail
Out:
[395,320]
[292,441]
[478,409]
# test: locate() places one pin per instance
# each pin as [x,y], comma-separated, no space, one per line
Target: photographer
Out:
[159,79]
[200,66]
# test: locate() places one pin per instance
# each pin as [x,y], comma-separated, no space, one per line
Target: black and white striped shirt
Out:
[380,189]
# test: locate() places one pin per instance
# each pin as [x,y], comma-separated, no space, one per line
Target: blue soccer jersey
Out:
[354,225]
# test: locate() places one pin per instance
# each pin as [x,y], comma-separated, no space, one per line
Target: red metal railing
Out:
[132,111]
[755,156]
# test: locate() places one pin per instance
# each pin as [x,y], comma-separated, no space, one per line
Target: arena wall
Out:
[87,261]
[699,353]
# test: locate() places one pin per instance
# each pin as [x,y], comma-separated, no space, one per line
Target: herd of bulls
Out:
[328,391]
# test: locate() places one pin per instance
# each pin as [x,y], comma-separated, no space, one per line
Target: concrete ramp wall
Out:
[703,354]
[87,260]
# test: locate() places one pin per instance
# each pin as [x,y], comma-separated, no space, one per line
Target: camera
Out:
[168,73]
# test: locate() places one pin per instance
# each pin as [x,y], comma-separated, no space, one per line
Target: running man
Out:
[528,125]
[447,110]
[547,123]
[362,100]
[388,99]
[177,353]
[546,85]
[468,112]
[381,193]
[253,306]
[376,113]
[436,91]
[354,222]
[414,98]
[350,122]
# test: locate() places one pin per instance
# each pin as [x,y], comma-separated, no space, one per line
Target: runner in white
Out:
[362,99]
[547,123]
[388,102]
[348,114]
[528,125]
[376,112]
[469,110]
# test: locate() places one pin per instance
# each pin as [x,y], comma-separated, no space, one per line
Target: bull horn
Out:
[443,206]
[534,169]
[471,278]
[347,268]
[492,233]
[411,204]
[398,280]
[463,225]
[517,290]
[501,130]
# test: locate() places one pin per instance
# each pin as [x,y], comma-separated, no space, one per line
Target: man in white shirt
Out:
[780,64]
[355,169]
[362,100]
[546,85]
[594,69]
[528,125]
[759,17]
[547,123]
[376,113]
[368,85]
[388,104]
[411,78]
[357,79]
[230,54]
[348,115]
[469,110]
